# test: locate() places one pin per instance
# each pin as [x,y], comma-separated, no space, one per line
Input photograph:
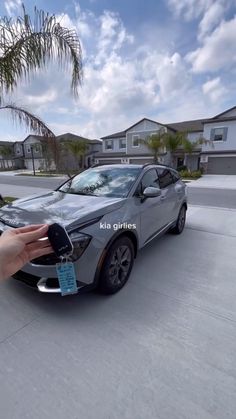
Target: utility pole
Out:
[32,155]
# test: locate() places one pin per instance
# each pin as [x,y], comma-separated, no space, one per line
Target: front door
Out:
[151,210]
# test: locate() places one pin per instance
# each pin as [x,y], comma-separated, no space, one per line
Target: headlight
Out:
[80,242]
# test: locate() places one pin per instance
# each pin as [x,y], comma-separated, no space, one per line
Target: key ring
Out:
[65,258]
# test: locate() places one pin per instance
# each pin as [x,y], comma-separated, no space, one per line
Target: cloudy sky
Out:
[168,60]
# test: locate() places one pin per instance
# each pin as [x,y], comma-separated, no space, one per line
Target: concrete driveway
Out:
[215,181]
[162,348]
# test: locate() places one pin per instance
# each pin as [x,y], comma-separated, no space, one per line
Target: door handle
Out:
[163,197]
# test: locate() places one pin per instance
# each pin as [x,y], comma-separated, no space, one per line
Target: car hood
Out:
[69,210]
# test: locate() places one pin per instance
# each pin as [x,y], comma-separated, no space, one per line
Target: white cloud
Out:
[41,99]
[124,79]
[210,19]
[189,9]
[112,35]
[218,49]
[214,89]
[12,6]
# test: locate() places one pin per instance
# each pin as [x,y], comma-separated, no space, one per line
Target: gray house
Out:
[219,158]
[222,131]
[40,149]
[93,147]
[125,147]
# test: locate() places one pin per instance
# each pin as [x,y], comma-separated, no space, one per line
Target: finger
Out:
[28,229]
[33,254]
[34,235]
[37,245]
[44,240]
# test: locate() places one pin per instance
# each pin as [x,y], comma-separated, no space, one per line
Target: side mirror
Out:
[151,192]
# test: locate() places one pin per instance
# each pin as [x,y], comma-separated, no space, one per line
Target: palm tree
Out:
[190,146]
[78,149]
[154,143]
[172,141]
[6,153]
[25,46]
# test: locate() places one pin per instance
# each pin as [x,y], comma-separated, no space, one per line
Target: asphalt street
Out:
[162,348]
[32,181]
[22,186]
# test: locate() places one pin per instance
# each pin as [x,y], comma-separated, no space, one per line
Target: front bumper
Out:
[46,285]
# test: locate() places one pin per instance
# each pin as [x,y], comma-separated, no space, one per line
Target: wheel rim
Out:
[120,265]
[181,220]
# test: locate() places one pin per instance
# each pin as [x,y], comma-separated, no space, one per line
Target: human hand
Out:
[20,245]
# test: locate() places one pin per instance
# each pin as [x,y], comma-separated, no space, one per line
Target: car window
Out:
[150,178]
[165,178]
[103,181]
[175,176]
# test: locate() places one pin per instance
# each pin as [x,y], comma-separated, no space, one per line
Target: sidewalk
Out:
[214,181]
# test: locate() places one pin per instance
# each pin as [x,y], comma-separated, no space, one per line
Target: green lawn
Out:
[7,200]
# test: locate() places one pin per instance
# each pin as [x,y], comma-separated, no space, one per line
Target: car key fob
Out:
[59,240]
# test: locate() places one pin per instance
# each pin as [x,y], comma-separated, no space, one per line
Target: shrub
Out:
[180,168]
[190,175]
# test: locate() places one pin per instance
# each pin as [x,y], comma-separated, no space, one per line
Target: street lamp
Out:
[32,155]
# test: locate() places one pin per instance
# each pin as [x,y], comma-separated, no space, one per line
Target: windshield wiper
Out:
[82,193]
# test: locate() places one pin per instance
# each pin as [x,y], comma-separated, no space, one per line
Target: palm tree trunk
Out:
[185,159]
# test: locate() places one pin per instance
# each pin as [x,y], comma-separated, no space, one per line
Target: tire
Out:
[180,223]
[115,273]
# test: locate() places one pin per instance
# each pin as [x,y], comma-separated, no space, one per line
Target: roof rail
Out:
[147,164]
[158,164]
[95,165]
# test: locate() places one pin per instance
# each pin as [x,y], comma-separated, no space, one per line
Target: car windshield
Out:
[100,181]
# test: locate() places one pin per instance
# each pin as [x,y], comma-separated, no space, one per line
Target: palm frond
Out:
[204,141]
[172,141]
[26,46]
[34,123]
[78,148]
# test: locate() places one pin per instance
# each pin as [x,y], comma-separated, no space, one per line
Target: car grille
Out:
[28,279]
[50,259]
[32,280]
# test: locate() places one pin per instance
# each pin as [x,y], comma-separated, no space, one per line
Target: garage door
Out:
[221,166]
[141,161]
[109,161]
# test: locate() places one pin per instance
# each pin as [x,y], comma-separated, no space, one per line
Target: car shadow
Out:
[79,305]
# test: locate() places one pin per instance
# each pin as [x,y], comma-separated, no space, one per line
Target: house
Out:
[40,151]
[218,158]
[32,149]
[18,155]
[93,147]
[222,131]
[124,146]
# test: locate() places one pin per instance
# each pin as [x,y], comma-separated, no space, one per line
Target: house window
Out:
[36,148]
[18,151]
[109,145]
[122,143]
[135,141]
[219,134]
[28,149]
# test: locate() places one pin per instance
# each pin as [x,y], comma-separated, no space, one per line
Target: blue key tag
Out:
[66,277]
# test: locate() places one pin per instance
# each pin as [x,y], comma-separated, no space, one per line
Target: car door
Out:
[169,194]
[151,210]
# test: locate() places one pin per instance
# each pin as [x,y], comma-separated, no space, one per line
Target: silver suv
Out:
[110,212]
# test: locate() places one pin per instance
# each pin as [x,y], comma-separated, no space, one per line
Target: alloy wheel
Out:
[120,264]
